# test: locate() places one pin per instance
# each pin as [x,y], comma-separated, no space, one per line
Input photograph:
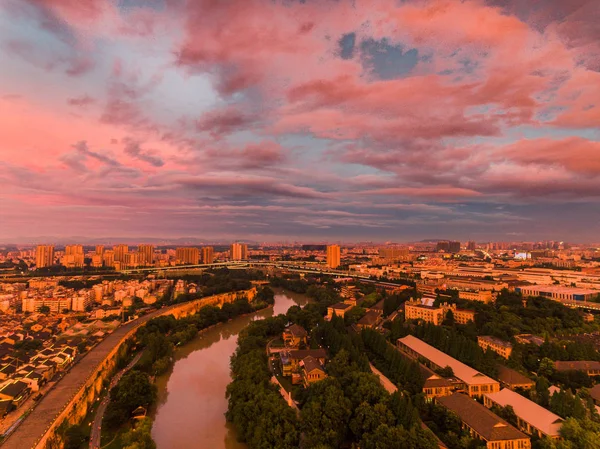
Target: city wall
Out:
[80,404]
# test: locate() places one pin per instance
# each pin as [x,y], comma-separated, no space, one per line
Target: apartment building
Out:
[500,347]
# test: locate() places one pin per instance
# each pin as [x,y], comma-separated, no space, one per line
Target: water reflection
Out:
[191,396]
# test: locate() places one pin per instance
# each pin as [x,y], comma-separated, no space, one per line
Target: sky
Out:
[314,120]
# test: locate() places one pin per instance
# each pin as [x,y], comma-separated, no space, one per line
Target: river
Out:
[191,396]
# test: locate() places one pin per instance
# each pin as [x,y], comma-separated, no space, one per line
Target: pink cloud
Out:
[574,154]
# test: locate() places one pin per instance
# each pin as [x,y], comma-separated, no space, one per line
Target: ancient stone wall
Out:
[79,405]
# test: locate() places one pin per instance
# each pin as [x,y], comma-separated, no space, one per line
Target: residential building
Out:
[294,335]
[312,371]
[590,367]
[80,303]
[448,246]
[485,296]
[340,309]
[290,360]
[56,305]
[393,254]
[512,379]
[558,293]
[119,252]
[99,250]
[146,254]
[74,256]
[416,310]
[476,383]
[526,339]
[238,251]
[44,256]
[16,392]
[371,319]
[500,347]
[485,425]
[208,254]
[187,255]
[532,418]
[108,257]
[333,256]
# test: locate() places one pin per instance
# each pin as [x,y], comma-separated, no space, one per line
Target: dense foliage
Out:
[132,391]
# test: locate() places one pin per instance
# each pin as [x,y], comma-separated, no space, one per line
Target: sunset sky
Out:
[300,120]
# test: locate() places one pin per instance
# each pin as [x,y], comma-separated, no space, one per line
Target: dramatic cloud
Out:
[330,119]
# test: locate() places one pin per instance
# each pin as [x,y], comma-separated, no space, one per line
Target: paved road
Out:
[387,384]
[34,427]
[97,424]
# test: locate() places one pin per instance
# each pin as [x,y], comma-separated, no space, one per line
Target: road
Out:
[34,427]
[385,382]
[97,423]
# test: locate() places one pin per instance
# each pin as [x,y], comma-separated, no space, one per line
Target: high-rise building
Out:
[333,256]
[187,255]
[99,250]
[120,251]
[146,254]
[74,256]
[471,246]
[109,258]
[448,246]
[44,256]
[132,260]
[238,251]
[392,254]
[208,254]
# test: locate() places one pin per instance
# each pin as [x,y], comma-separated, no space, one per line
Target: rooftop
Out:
[577,365]
[441,359]
[512,377]
[528,411]
[490,426]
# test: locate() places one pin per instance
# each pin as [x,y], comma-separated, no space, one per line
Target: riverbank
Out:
[191,395]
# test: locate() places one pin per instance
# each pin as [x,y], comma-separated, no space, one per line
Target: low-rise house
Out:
[483,424]
[291,359]
[476,383]
[294,335]
[371,319]
[500,347]
[595,394]
[340,309]
[512,379]
[312,371]
[16,392]
[590,367]
[532,418]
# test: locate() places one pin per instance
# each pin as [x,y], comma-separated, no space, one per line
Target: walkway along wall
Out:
[44,432]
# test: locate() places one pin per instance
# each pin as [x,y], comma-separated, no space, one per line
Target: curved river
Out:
[191,396]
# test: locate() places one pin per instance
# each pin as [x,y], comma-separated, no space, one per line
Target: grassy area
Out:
[112,440]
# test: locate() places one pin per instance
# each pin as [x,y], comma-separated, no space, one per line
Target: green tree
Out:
[44,309]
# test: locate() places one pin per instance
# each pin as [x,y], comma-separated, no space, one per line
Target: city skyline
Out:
[315,121]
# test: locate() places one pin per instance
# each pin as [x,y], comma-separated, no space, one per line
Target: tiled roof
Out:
[490,426]
[441,359]
[512,377]
[577,365]
[530,412]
